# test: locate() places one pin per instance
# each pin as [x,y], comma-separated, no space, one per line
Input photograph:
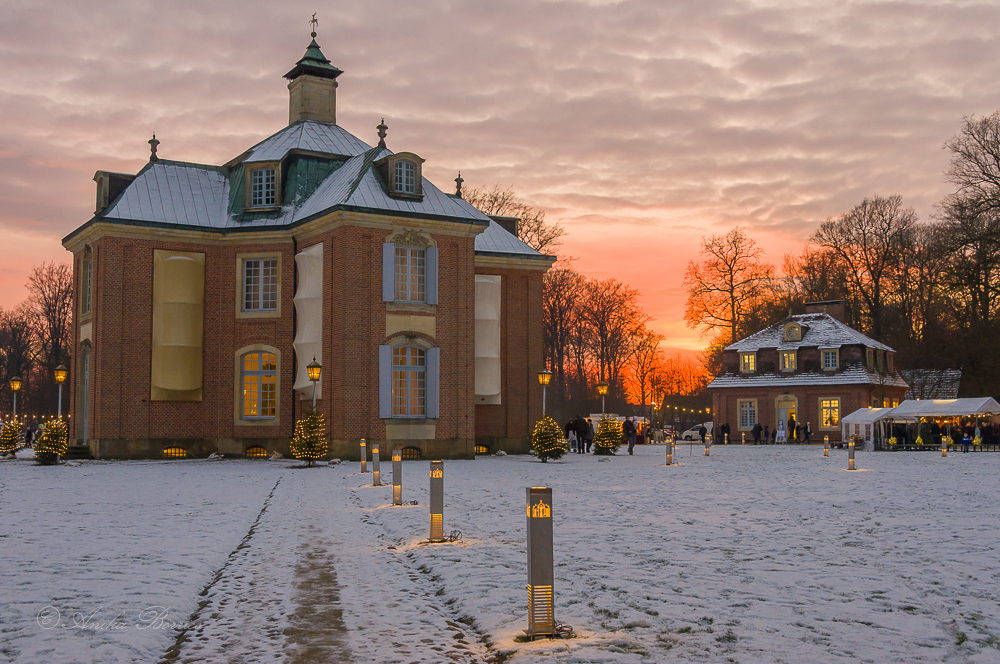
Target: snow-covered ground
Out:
[755,554]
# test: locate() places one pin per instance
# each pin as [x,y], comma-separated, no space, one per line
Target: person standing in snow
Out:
[629,431]
[966,441]
[767,433]
[808,431]
[590,435]
[791,425]
[582,429]
[755,432]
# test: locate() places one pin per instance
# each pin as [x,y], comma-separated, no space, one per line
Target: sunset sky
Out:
[639,126]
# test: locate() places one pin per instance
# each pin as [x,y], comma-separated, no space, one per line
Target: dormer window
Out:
[406,177]
[870,356]
[402,175]
[788,360]
[262,183]
[793,332]
[748,362]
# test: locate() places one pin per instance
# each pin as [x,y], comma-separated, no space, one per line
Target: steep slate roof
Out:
[818,331]
[196,195]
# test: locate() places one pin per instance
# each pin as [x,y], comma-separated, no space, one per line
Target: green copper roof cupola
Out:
[312,86]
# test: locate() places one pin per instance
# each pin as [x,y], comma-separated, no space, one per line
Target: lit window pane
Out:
[408,382]
[260,385]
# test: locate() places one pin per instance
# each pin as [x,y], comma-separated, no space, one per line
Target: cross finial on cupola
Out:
[152,149]
[458,184]
[382,127]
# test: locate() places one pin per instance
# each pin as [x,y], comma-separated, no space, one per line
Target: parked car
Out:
[692,433]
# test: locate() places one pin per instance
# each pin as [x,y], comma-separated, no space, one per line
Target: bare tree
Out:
[645,364]
[726,283]
[975,163]
[16,347]
[50,306]
[870,241]
[563,291]
[614,320]
[532,229]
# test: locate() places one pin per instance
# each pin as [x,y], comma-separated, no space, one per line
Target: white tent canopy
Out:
[865,415]
[861,423]
[914,409]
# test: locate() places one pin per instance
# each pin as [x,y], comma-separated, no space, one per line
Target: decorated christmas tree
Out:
[547,441]
[608,437]
[10,437]
[310,442]
[53,442]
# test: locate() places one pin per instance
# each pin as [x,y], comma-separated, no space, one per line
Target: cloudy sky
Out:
[639,125]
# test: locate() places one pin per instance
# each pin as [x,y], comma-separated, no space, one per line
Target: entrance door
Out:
[787,407]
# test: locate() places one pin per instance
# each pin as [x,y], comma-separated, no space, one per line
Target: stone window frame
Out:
[250,170]
[786,366]
[822,420]
[748,362]
[241,259]
[432,378]
[387,166]
[86,283]
[238,418]
[739,414]
[791,335]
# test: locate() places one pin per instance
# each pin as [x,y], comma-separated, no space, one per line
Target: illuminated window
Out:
[830,360]
[748,362]
[260,378]
[411,274]
[262,187]
[409,382]
[260,284]
[829,413]
[256,453]
[411,453]
[748,413]
[482,449]
[788,360]
[406,177]
[175,453]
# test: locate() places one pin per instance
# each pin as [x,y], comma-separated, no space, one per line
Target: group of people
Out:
[795,433]
[963,433]
[580,434]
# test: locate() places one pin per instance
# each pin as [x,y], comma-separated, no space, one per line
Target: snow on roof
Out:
[818,330]
[174,193]
[307,135]
[913,408]
[197,195]
[856,374]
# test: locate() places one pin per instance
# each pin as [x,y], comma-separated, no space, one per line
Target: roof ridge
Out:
[367,159]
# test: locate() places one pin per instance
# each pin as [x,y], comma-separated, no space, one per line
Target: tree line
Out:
[35,339]
[928,288]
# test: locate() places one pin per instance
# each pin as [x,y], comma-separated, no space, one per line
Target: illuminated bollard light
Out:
[850,456]
[726,435]
[670,450]
[826,446]
[708,447]
[743,436]
[541,600]
[376,479]
[364,456]
[397,477]
[437,501]
[944,446]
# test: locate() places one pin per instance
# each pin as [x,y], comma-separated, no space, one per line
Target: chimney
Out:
[834,308]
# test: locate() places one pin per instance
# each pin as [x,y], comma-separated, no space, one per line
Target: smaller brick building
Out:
[811,368]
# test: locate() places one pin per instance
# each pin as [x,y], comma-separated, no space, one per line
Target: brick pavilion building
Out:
[810,367]
[203,291]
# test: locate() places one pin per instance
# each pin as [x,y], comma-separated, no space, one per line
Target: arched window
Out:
[260,394]
[406,177]
[409,382]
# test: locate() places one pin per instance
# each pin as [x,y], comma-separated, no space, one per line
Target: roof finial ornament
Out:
[152,148]
[381,133]
[458,184]
[314,22]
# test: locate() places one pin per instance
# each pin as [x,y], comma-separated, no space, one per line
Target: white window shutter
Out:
[385,382]
[432,275]
[388,272]
[433,382]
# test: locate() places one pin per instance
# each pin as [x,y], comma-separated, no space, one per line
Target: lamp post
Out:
[543,379]
[314,369]
[602,389]
[15,387]
[61,372]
